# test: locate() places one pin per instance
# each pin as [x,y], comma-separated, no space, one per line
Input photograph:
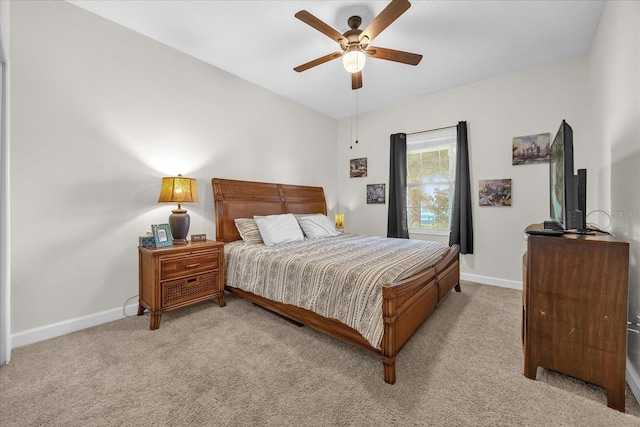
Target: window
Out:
[431,166]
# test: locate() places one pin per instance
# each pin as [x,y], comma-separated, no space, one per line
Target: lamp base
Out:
[179,223]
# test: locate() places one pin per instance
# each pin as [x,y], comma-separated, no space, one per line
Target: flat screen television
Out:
[567,192]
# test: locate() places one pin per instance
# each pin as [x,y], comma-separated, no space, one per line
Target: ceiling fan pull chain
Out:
[351,131]
[356,117]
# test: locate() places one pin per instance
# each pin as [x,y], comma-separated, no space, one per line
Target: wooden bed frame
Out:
[406,303]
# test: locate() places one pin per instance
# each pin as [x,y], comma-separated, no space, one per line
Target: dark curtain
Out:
[461,221]
[397,218]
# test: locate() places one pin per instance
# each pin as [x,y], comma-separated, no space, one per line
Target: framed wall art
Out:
[358,167]
[495,192]
[530,149]
[375,194]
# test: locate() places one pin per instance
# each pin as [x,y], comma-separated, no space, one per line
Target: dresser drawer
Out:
[188,289]
[197,262]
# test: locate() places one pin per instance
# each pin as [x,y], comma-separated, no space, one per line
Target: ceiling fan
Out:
[355,42]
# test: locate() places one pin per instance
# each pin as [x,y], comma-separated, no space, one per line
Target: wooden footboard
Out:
[406,303]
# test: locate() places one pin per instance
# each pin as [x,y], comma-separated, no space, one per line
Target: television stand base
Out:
[552,225]
[583,231]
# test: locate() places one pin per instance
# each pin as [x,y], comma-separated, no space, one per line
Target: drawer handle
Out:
[192,265]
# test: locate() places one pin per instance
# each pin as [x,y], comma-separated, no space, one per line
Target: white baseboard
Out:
[633,379]
[486,280]
[72,325]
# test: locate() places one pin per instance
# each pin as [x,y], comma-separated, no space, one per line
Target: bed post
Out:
[389,317]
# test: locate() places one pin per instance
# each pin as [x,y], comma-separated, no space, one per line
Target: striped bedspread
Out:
[337,277]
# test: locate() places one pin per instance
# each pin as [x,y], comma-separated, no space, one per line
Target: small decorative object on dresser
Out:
[198,237]
[147,241]
[162,235]
[177,276]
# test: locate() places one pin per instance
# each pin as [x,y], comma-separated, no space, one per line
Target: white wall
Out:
[99,115]
[5,230]
[614,65]
[529,102]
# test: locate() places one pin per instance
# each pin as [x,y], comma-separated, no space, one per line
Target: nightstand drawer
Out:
[173,267]
[187,289]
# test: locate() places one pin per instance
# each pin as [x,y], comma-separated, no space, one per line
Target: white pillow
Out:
[277,229]
[317,226]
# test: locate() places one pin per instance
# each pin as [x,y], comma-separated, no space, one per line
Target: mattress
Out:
[337,277]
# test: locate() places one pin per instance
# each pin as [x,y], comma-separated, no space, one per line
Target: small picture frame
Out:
[147,242]
[162,235]
[198,237]
[495,192]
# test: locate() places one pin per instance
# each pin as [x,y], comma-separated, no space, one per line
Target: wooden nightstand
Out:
[180,275]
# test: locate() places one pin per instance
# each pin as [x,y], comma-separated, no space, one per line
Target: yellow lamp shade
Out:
[178,189]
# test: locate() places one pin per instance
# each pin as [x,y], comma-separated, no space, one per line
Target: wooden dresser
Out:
[179,275]
[574,318]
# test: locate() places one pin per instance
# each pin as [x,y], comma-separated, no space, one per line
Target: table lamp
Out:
[339,221]
[178,189]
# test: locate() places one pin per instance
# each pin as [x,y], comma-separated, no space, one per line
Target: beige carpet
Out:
[240,365]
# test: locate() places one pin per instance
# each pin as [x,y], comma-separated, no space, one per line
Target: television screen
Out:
[558,175]
[567,192]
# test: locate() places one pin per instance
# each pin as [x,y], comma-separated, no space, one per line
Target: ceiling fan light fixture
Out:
[355,42]
[353,59]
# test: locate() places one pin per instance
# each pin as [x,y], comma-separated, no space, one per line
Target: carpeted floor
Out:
[240,365]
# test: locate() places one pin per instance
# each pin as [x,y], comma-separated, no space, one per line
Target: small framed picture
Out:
[147,242]
[375,194]
[495,192]
[162,235]
[358,167]
[530,149]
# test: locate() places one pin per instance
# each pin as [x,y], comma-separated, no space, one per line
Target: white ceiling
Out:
[461,42]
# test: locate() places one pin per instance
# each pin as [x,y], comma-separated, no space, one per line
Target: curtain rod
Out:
[431,130]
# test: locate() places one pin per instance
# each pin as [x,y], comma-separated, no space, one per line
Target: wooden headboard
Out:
[244,199]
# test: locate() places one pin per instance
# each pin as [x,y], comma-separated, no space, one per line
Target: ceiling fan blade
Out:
[318,61]
[384,19]
[356,80]
[325,29]
[393,55]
